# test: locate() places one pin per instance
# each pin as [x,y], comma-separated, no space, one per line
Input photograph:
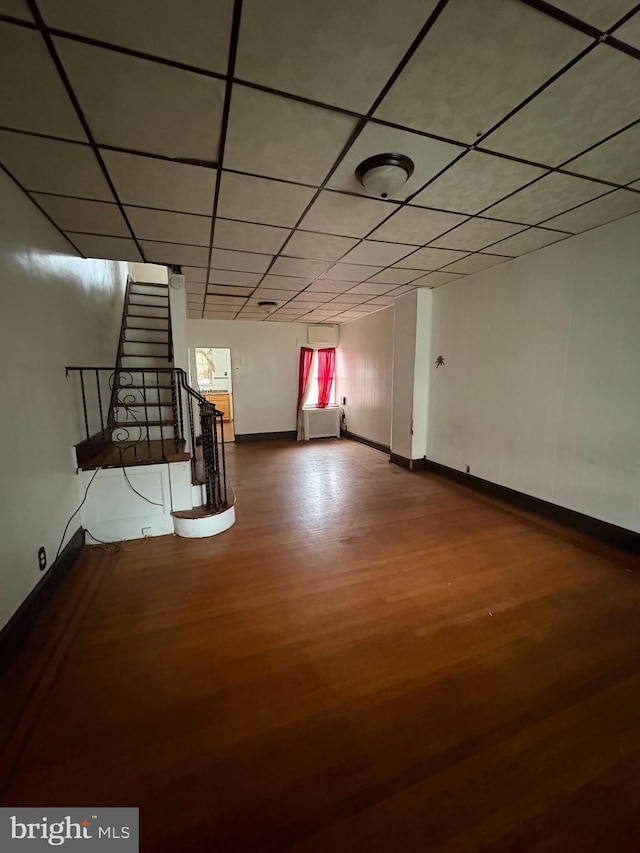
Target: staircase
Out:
[143,396]
[143,412]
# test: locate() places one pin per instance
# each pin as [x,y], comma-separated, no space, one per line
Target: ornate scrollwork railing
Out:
[156,409]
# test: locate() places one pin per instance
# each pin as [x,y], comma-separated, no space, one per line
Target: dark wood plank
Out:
[371,659]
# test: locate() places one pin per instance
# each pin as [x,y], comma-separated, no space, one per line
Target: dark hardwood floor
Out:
[370,660]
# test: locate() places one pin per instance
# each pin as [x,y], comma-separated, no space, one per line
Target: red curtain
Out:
[304,373]
[326,373]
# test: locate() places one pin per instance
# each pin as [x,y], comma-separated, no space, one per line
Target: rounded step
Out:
[199,522]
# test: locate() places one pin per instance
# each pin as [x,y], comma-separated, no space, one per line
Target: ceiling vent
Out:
[323,335]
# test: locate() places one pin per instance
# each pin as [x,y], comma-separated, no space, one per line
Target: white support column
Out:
[411,372]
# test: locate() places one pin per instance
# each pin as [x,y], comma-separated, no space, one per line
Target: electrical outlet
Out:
[42,558]
[146,531]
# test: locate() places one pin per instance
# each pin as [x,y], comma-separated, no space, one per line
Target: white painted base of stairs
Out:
[207,525]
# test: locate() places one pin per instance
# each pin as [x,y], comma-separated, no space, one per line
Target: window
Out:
[317,366]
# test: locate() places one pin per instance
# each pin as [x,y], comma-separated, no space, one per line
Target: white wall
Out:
[264,365]
[55,310]
[540,390]
[364,375]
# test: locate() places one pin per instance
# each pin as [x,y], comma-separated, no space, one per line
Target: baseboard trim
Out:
[383,448]
[17,629]
[602,531]
[285,435]
[409,464]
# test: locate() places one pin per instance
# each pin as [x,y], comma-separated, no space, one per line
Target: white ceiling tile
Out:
[350,298]
[194,32]
[195,287]
[478,62]
[16,9]
[350,272]
[545,198]
[282,282]
[374,253]
[416,225]
[339,305]
[150,182]
[617,160]
[475,263]
[605,209]
[437,279]
[321,297]
[593,99]
[247,237]
[476,234]
[31,92]
[172,253]
[223,301]
[194,273]
[476,181]
[400,291]
[233,278]
[275,318]
[328,286]
[219,315]
[599,13]
[261,200]
[335,213]
[372,289]
[383,301]
[324,247]
[299,267]
[282,138]
[142,105]
[369,308]
[279,295]
[630,32]
[429,157]
[194,315]
[338,52]
[107,248]
[431,259]
[227,290]
[526,241]
[92,217]
[397,276]
[46,165]
[303,301]
[169,227]
[226,259]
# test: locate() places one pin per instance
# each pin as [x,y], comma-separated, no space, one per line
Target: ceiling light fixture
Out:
[267,306]
[384,174]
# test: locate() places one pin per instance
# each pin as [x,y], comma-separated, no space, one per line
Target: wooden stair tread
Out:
[149,284]
[118,424]
[199,511]
[142,387]
[148,328]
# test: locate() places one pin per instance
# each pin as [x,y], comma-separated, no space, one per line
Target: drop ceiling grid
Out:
[169,205]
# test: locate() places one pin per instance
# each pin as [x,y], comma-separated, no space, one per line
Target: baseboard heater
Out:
[322,423]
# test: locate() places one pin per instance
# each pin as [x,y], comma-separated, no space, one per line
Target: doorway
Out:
[213,374]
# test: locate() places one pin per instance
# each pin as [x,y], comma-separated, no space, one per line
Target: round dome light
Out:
[384,174]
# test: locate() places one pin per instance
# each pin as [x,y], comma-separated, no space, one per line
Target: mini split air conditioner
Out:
[323,335]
